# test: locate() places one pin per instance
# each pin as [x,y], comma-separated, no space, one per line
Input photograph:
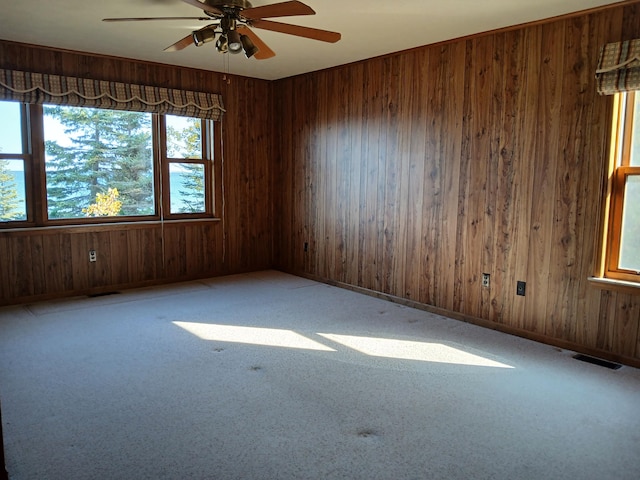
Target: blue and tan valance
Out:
[619,67]
[42,88]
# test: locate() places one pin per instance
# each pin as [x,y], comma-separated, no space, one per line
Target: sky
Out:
[10,137]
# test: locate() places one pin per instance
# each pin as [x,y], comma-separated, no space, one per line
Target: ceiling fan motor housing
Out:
[233,4]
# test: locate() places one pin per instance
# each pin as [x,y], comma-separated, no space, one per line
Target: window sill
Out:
[74,228]
[616,285]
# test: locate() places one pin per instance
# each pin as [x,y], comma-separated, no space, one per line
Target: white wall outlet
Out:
[92,256]
[485,280]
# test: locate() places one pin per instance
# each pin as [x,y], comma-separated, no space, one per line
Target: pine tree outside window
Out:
[90,151]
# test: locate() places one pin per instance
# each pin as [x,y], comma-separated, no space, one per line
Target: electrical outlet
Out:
[485,280]
[306,246]
[92,256]
[521,287]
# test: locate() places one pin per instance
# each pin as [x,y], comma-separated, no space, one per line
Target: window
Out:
[75,165]
[623,234]
[98,162]
[187,170]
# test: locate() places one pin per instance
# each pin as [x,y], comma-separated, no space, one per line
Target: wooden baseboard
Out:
[536,337]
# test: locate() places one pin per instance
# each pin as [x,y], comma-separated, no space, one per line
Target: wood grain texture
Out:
[483,155]
[48,263]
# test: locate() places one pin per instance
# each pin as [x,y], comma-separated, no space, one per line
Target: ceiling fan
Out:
[230,22]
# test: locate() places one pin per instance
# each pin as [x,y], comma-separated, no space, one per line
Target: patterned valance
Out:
[619,67]
[54,89]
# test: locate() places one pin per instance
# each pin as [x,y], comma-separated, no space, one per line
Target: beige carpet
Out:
[270,376]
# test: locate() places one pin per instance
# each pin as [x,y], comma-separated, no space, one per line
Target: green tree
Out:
[9,200]
[103,149]
[193,188]
[107,204]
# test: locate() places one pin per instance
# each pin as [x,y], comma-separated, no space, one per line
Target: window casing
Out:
[186,146]
[38,163]
[622,238]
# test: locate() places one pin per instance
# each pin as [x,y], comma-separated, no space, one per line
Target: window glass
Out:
[630,232]
[12,191]
[98,162]
[183,137]
[10,128]
[186,184]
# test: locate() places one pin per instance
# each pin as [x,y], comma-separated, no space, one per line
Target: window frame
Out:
[32,123]
[620,169]
[208,136]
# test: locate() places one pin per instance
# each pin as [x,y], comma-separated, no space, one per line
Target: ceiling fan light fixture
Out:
[235,45]
[222,44]
[204,35]
[231,20]
[247,45]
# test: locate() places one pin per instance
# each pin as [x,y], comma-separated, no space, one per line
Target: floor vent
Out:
[104,294]
[597,361]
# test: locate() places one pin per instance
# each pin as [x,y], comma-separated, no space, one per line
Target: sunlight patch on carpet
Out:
[270,337]
[411,350]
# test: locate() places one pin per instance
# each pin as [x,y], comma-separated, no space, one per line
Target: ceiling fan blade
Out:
[144,19]
[180,44]
[264,51]
[307,32]
[206,8]
[284,9]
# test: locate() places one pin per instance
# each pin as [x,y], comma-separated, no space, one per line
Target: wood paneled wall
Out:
[44,263]
[413,174]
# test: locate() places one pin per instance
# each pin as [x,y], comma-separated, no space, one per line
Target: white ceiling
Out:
[369,28]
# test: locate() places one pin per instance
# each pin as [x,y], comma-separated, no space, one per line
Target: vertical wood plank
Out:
[488,156]
[36,255]
[329,147]
[548,137]
[507,188]
[459,300]
[451,179]
[484,103]
[418,132]
[80,261]
[370,189]
[5,277]
[118,248]
[352,133]
[526,153]
[56,252]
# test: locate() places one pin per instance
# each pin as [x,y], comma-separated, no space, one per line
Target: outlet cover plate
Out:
[521,288]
